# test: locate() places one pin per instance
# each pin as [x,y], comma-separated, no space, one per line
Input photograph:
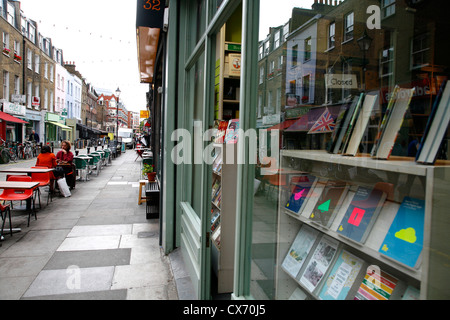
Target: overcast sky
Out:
[100,37]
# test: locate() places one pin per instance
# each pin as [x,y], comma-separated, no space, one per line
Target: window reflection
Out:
[319,57]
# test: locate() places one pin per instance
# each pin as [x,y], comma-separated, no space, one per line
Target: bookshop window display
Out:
[359,93]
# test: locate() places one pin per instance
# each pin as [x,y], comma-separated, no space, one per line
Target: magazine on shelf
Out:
[299,250]
[329,202]
[436,127]
[404,240]
[221,131]
[411,293]
[394,123]
[319,263]
[376,285]
[382,127]
[301,187]
[231,135]
[215,219]
[370,101]
[342,277]
[361,213]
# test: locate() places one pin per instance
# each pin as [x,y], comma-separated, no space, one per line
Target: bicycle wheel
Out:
[13,156]
[4,155]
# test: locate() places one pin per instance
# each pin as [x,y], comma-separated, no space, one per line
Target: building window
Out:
[331,35]
[29,94]
[5,38]
[36,63]
[36,94]
[387,62]
[294,55]
[261,75]
[16,85]
[349,25]
[276,42]
[29,59]
[11,17]
[388,7]
[46,99]
[306,89]
[52,75]
[6,85]
[17,48]
[308,46]
[46,70]
[420,53]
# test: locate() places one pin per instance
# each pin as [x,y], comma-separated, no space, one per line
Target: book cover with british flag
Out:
[324,124]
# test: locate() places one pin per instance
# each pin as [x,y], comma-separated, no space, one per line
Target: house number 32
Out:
[152,5]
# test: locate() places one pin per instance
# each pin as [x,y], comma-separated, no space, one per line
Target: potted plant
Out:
[149,169]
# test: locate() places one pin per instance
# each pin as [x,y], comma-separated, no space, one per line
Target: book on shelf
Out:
[411,293]
[436,127]
[231,135]
[342,126]
[342,276]
[329,202]
[404,240]
[370,101]
[385,120]
[339,124]
[376,285]
[299,250]
[319,263]
[351,123]
[325,123]
[394,123]
[301,187]
[361,213]
[215,219]
[216,237]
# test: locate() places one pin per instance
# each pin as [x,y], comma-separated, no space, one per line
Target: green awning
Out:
[66,128]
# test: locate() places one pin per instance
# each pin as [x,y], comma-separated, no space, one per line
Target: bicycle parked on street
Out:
[7,153]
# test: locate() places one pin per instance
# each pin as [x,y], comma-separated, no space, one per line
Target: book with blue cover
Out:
[301,187]
[404,240]
[361,213]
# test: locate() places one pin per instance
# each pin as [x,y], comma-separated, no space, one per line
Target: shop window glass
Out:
[352,124]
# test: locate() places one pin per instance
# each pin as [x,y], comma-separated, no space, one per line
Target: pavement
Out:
[95,245]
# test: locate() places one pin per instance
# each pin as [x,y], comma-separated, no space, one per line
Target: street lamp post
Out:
[117,115]
[364,44]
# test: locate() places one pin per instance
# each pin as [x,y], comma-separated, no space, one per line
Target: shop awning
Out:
[9,118]
[283,125]
[60,125]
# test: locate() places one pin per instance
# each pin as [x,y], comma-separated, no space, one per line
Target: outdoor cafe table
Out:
[18,185]
[29,172]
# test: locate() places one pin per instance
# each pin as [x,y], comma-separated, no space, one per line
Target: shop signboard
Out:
[150,14]
[341,81]
[35,101]
[14,109]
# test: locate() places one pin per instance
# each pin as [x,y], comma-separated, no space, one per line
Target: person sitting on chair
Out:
[47,159]
[64,158]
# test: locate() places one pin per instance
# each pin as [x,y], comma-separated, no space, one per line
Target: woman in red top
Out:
[64,158]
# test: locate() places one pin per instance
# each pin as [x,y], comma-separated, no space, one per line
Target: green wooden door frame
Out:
[246,171]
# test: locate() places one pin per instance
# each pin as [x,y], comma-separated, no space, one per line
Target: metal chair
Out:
[20,195]
[7,210]
[44,180]
[82,165]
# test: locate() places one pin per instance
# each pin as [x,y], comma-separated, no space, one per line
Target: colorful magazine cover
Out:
[404,240]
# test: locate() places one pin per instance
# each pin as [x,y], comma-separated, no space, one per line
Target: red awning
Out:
[10,118]
[283,125]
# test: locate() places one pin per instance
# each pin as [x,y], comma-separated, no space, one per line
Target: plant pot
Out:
[151,176]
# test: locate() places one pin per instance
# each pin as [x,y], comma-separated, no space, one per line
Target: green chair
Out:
[101,161]
[107,155]
[82,165]
[95,162]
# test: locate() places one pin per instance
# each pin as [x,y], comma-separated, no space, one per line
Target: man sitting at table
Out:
[64,158]
[47,159]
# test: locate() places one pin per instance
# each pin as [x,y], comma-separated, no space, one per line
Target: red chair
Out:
[20,194]
[44,180]
[7,210]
